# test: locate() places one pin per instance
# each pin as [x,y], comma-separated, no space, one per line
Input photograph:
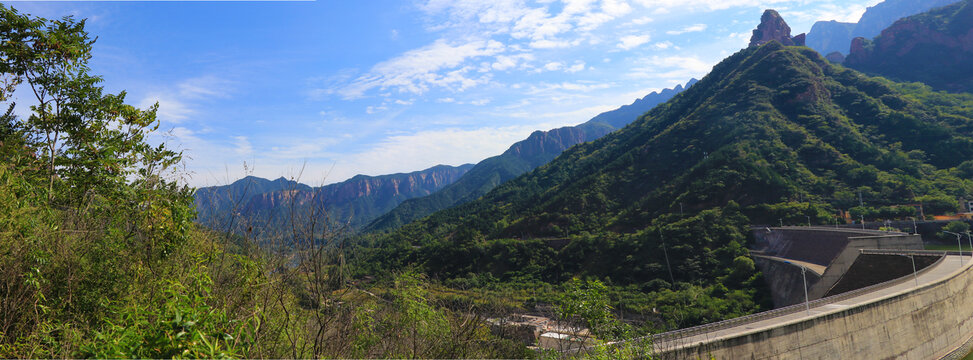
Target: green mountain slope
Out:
[538,149]
[771,133]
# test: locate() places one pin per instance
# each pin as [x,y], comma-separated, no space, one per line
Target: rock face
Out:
[830,36]
[935,48]
[773,27]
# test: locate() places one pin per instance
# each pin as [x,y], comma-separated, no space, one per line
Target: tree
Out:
[91,142]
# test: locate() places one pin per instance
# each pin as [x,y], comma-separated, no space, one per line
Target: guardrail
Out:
[910,252]
[672,337]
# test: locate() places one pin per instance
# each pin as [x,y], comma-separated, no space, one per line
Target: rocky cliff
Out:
[773,27]
[935,48]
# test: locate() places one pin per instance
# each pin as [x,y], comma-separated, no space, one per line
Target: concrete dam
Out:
[871,295]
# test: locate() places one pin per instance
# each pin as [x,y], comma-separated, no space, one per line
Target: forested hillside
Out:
[772,134]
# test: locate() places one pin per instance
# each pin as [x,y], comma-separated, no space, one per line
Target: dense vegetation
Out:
[99,255]
[661,208]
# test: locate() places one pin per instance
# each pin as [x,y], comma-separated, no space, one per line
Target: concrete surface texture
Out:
[933,320]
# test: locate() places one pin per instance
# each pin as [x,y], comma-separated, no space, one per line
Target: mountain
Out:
[935,47]
[832,36]
[538,149]
[624,115]
[665,204]
[355,201]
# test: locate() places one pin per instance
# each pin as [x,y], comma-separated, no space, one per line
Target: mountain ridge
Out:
[496,170]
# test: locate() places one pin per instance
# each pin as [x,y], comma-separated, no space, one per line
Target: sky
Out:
[323,90]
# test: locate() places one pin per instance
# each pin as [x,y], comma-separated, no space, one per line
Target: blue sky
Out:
[339,88]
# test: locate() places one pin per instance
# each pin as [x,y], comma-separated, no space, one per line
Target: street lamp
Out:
[958,245]
[971,242]
[808,220]
[807,302]
[914,272]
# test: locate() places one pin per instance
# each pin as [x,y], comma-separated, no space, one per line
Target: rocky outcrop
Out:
[835,57]
[935,48]
[773,27]
[830,36]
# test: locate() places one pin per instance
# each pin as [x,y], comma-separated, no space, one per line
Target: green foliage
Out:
[958,227]
[184,326]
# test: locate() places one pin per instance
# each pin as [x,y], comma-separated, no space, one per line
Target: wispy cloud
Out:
[632,41]
[688,29]
[178,102]
[417,70]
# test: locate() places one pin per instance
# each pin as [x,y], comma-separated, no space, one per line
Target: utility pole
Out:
[666,253]
[860,202]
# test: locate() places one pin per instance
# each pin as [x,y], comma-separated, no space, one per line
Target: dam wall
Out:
[932,321]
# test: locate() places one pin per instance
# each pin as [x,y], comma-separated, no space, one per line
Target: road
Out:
[936,272]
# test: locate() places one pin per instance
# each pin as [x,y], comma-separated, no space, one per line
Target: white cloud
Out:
[663,45]
[576,67]
[243,146]
[553,66]
[172,110]
[639,21]
[632,41]
[178,103]
[688,29]
[678,68]
[417,70]
[375,109]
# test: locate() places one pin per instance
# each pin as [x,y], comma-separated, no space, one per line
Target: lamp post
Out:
[971,242]
[807,302]
[808,220]
[915,273]
[958,245]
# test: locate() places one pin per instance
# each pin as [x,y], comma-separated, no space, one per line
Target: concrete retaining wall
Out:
[785,280]
[843,261]
[925,323]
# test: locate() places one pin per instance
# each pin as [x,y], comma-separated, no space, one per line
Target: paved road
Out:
[936,272]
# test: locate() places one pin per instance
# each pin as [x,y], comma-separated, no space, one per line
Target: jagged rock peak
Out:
[773,27]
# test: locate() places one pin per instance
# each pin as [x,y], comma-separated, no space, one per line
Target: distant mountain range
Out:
[538,149]
[833,36]
[935,48]
[267,204]
[253,201]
